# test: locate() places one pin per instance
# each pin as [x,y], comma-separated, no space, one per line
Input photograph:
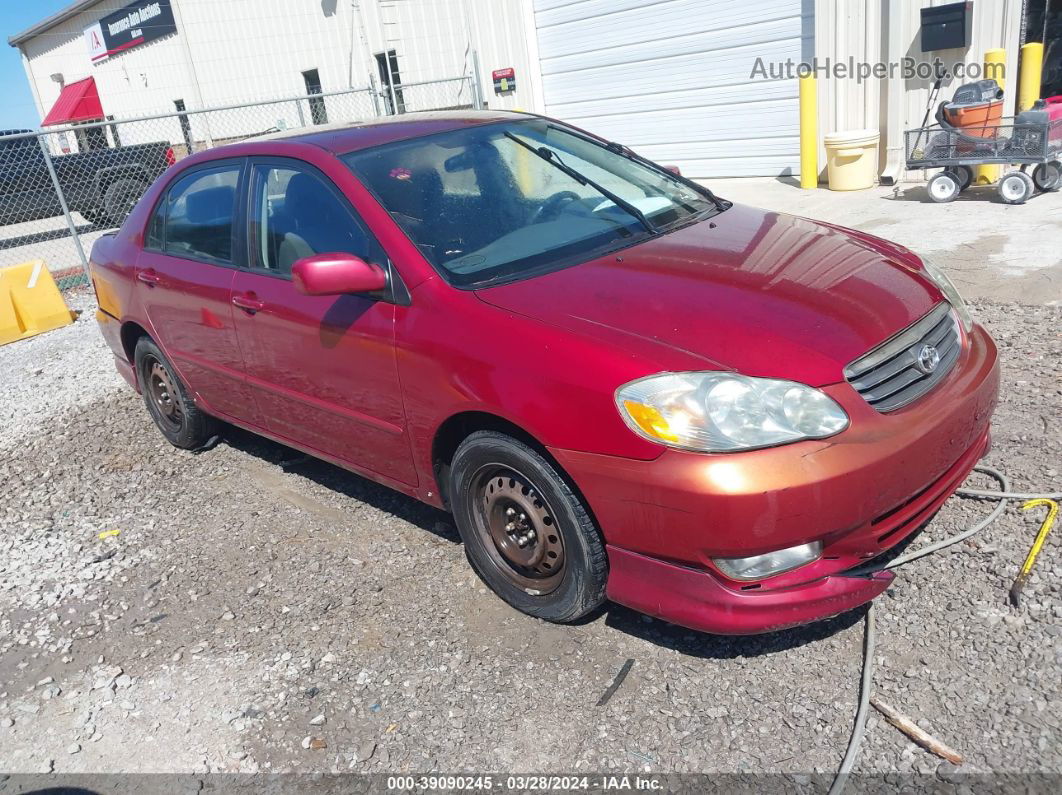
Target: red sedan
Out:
[620,384]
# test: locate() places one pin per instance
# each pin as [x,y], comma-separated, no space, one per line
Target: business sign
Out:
[136,24]
[504,80]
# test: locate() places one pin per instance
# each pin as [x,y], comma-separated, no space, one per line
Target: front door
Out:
[184,276]
[322,368]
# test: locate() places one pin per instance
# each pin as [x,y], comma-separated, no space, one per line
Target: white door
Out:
[672,79]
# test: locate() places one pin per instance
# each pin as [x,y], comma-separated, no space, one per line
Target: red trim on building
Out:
[77,102]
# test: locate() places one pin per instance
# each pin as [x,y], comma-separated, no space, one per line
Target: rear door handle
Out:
[149,277]
[248,302]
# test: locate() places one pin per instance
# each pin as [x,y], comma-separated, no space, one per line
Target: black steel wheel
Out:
[120,198]
[527,534]
[517,529]
[168,402]
[161,391]
[1048,176]
[963,175]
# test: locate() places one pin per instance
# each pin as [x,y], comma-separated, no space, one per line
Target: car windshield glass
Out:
[502,201]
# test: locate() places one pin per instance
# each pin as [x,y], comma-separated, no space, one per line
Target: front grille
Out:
[902,369]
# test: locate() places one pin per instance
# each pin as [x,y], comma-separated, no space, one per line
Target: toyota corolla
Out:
[620,384]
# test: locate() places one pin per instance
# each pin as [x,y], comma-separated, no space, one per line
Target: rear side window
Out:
[156,229]
[199,212]
[297,214]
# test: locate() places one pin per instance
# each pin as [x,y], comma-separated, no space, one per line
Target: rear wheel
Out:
[1048,176]
[943,187]
[120,197]
[964,176]
[526,533]
[167,399]
[1016,187]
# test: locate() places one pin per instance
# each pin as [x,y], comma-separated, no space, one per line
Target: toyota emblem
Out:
[928,359]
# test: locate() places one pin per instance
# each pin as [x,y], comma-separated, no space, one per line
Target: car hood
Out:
[762,293]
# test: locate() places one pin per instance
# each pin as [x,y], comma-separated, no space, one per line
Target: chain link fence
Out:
[61,188]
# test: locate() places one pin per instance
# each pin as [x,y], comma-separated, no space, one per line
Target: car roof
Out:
[345,137]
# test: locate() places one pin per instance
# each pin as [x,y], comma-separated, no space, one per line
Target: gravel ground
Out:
[254,610]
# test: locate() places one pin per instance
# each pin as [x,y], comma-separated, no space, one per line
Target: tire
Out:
[120,197]
[943,187]
[501,483]
[94,217]
[167,399]
[1016,187]
[1048,176]
[964,175]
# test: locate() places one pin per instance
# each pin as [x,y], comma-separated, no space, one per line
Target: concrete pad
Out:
[990,250]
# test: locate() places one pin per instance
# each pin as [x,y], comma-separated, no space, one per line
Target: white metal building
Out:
[222,52]
[672,78]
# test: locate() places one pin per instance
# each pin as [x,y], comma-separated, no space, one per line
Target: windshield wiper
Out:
[630,154]
[553,158]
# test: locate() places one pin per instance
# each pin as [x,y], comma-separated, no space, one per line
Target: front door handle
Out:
[248,302]
[148,277]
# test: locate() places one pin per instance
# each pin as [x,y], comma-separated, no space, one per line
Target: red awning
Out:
[77,102]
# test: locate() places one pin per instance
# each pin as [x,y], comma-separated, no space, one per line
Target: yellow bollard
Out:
[995,64]
[30,303]
[1032,67]
[809,133]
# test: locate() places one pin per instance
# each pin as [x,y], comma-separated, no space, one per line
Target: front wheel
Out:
[527,534]
[1016,187]
[167,399]
[943,187]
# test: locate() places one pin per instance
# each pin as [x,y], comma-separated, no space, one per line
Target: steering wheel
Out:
[551,207]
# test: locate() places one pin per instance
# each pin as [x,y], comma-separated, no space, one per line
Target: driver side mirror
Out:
[337,273]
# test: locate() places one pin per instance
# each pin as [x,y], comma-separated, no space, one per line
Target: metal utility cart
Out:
[1028,139]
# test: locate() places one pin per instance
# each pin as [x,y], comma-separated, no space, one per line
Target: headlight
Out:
[938,278]
[721,412]
[759,566]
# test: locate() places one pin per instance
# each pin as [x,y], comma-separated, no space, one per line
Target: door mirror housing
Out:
[337,273]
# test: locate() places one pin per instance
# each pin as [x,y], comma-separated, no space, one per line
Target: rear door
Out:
[322,368]
[184,280]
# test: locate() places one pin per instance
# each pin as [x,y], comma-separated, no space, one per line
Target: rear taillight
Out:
[170,157]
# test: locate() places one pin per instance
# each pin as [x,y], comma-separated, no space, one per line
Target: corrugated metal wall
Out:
[672,78]
[859,28]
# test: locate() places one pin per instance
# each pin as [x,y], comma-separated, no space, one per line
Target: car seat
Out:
[311,222]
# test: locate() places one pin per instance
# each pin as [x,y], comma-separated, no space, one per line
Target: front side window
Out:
[502,201]
[199,214]
[297,215]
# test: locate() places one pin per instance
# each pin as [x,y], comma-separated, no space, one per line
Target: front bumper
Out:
[861,493]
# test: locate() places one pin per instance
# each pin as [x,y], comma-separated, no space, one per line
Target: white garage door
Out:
[671,79]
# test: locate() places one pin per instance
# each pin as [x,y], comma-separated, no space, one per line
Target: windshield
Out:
[503,201]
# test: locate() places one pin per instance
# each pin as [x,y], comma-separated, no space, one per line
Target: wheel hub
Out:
[520,529]
[163,393]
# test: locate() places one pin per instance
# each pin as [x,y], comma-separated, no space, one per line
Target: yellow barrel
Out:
[852,159]
[1030,75]
[995,63]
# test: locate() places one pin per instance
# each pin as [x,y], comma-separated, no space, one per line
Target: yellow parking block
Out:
[30,303]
